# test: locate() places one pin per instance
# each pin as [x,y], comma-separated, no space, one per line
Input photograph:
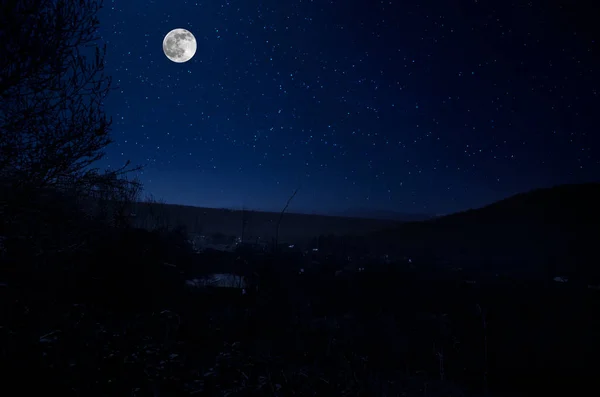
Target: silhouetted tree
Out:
[53,128]
[52,87]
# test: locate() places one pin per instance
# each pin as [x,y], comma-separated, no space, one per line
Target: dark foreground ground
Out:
[114,318]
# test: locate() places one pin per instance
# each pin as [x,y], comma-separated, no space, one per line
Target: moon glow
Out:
[179,45]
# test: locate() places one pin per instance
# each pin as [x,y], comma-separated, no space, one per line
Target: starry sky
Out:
[429,106]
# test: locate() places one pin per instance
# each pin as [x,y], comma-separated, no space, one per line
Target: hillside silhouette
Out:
[538,233]
[562,204]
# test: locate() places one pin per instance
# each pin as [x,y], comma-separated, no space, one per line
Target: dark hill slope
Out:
[564,204]
[545,231]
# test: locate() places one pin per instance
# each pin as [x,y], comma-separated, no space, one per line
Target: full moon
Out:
[179,45]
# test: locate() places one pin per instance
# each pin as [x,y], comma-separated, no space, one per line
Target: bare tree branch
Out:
[52,88]
[53,127]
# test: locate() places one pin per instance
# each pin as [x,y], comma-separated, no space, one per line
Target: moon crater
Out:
[179,45]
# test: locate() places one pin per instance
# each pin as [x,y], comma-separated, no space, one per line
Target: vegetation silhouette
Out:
[92,305]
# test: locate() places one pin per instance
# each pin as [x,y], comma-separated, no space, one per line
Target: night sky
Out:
[411,106]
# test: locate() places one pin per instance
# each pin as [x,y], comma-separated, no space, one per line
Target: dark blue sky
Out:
[411,106]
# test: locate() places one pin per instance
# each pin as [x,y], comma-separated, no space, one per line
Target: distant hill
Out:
[559,204]
[553,230]
[294,227]
[382,214]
